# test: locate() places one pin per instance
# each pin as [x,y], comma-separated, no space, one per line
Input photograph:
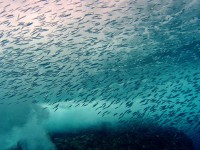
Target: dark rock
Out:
[124,138]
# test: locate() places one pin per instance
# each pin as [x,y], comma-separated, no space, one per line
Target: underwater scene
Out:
[99,75]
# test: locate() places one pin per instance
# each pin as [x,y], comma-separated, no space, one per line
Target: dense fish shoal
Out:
[106,59]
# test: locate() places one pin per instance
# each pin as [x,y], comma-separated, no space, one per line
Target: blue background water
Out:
[103,60]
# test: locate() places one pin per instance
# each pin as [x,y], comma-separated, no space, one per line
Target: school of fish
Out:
[140,55]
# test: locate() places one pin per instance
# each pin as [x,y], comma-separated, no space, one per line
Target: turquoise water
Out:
[67,65]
